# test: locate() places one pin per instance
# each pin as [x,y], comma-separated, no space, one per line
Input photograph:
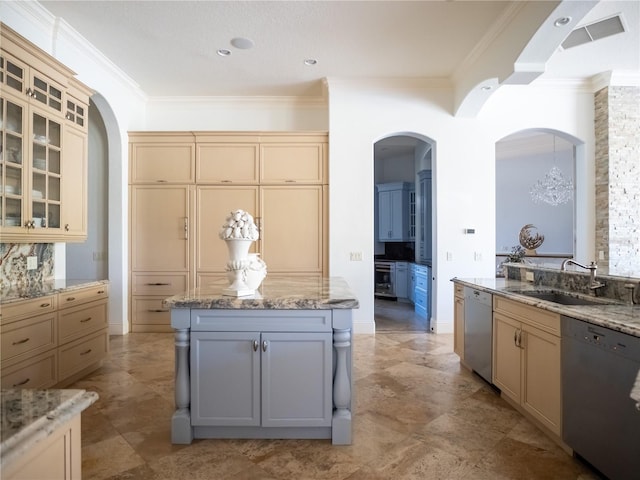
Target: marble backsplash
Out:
[13,264]
[617,288]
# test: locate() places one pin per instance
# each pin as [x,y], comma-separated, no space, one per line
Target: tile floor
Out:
[417,415]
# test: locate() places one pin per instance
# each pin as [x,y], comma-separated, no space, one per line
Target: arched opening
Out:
[403,232]
[538,183]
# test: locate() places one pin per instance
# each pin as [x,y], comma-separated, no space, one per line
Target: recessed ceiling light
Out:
[310,61]
[242,43]
[562,21]
[486,88]
[223,52]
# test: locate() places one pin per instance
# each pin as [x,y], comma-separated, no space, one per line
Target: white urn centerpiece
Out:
[245,271]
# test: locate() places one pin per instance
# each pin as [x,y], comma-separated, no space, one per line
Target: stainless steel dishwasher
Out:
[600,421]
[478,342]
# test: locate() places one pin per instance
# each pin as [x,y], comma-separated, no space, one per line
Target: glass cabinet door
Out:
[45,176]
[12,168]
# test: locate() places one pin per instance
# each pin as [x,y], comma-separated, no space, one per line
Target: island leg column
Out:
[341,422]
[181,429]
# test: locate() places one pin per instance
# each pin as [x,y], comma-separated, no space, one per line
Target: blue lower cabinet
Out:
[421,292]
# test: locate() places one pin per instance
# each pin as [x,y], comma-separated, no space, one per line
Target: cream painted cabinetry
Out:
[162,172]
[57,457]
[526,360]
[43,159]
[458,320]
[184,184]
[54,339]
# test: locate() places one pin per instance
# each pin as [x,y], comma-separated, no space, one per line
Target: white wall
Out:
[463,164]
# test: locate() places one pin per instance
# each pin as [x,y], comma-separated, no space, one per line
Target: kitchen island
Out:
[275,364]
[41,432]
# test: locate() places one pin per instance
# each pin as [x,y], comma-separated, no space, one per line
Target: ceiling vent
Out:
[595,31]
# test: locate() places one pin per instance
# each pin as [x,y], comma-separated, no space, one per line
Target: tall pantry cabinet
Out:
[184,184]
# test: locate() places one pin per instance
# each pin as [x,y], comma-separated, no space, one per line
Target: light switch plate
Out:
[32,263]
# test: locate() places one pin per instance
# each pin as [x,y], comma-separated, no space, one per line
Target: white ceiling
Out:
[169,47]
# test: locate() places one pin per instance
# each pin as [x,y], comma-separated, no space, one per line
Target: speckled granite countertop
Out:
[29,416]
[619,316]
[292,293]
[15,293]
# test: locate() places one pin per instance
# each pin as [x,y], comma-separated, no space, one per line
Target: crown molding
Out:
[253,101]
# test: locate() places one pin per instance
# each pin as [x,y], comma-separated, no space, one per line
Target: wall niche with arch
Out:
[533,168]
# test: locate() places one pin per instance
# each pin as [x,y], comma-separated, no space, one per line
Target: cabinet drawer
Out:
[261,320]
[82,353]
[83,295]
[158,284]
[37,372]
[27,308]
[82,320]
[150,311]
[29,337]
[538,317]
[421,282]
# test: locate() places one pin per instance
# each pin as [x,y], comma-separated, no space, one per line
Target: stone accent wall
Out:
[617,123]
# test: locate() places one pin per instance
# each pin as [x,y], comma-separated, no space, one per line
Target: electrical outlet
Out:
[449,256]
[356,256]
[477,256]
[32,263]
[601,255]
[528,276]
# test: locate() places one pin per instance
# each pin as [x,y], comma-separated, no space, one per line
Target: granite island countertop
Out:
[616,315]
[275,293]
[29,416]
[16,293]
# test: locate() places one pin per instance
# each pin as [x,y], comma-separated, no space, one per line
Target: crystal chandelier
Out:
[554,189]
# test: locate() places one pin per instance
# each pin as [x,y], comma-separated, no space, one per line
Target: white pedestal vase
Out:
[237,267]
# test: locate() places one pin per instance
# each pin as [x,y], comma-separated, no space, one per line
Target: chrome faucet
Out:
[593,284]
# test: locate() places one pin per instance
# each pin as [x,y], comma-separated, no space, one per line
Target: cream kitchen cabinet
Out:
[227,159]
[161,251]
[42,166]
[526,360]
[184,184]
[293,158]
[161,158]
[458,320]
[55,339]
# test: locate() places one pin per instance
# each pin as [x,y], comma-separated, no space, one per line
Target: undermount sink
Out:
[564,298]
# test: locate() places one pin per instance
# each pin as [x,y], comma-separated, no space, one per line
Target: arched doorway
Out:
[403,232]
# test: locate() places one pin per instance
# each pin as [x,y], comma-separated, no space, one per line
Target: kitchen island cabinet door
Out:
[297,379]
[225,378]
[458,321]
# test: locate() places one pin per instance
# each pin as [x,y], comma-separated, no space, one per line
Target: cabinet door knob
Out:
[255,345]
[264,345]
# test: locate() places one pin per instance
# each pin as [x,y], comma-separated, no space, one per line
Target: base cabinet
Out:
[526,360]
[262,374]
[248,379]
[58,457]
[458,321]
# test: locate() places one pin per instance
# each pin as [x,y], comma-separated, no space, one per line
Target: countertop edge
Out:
[39,430]
[590,314]
[55,290]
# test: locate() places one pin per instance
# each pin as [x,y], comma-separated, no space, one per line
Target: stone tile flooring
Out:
[417,415]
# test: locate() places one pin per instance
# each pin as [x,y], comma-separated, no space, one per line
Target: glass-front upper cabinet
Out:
[39,89]
[12,134]
[46,144]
